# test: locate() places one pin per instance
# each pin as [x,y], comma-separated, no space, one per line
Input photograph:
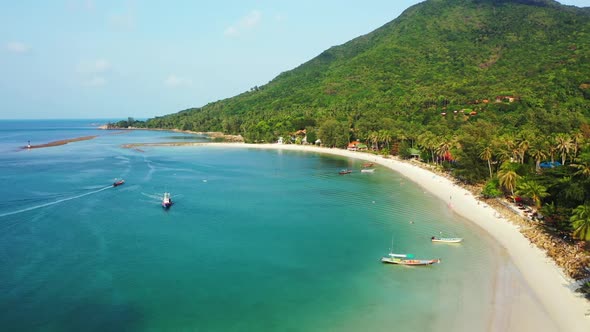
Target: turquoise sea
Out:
[258,240]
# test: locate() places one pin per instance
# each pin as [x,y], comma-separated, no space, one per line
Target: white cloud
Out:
[174,81]
[95,81]
[247,22]
[230,31]
[101,65]
[251,19]
[95,66]
[17,47]
[92,73]
[122,21]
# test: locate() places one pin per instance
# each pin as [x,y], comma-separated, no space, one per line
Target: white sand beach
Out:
[545,284]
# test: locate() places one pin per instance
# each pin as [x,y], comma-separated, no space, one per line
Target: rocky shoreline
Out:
[571,256]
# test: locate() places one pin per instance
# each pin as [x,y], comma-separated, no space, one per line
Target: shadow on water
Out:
[102,317]
[77,317]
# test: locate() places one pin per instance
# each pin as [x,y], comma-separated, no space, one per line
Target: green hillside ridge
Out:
[440,55]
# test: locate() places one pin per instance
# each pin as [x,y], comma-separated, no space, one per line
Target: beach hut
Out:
[414,153]
[353,146]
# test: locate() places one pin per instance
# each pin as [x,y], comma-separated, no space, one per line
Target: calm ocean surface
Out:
[258,240]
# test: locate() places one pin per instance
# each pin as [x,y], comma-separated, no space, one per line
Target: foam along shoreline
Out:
[551,287]
[58,143]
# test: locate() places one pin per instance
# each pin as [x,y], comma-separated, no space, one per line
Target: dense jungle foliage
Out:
[488,89]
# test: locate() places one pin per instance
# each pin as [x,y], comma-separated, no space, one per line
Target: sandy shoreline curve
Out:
[553,289]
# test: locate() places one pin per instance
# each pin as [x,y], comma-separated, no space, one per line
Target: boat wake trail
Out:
[54,202]
[151,170]
[155,197]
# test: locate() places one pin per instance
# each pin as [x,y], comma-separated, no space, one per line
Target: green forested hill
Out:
[438,56]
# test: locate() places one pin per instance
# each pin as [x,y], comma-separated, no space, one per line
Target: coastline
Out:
[549,285]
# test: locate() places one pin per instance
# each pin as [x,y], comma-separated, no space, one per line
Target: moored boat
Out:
[118,182]
[367,170]
[368,164]
[345,171]
[166,201]
[446,239]
[406,259]
[410,262]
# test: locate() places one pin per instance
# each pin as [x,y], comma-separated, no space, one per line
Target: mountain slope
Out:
[438,55]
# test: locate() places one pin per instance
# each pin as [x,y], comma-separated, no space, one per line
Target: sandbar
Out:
[60,142]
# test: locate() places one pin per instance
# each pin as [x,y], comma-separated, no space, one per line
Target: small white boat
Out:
[166,201]
[411,262]
[406,259]
[367,170]
[446,239]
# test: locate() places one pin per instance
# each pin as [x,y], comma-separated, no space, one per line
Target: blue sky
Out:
[114,59]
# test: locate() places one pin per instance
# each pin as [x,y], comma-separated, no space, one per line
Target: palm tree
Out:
[486,155]
[563,144]
[577,141]
[538,154]
[401,136]
[443,148]
[582,164]
[581,222]
[503,154]
[552,150]
[522,148]
[386,136]
[507,177]
[533,190]
[427,140]
[510,146]
[538,151]
[374,139]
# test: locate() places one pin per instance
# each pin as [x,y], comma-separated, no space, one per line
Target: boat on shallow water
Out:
[367,170]
[166,201]
[446,239]
[408,261]
[118,182]
[345,171]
